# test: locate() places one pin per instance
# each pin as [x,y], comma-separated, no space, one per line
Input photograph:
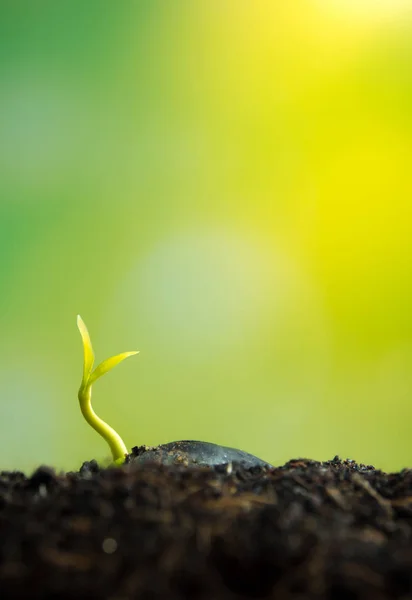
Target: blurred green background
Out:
[224,185]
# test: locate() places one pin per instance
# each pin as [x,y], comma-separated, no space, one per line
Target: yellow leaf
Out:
[108,364]
[88,359]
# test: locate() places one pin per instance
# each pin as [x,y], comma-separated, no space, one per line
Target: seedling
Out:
[117,446]
[185,452]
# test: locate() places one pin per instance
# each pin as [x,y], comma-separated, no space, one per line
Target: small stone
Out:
[109,545]
[42,490]
[89,468]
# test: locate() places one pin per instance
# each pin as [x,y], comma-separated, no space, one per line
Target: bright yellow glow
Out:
[368,9]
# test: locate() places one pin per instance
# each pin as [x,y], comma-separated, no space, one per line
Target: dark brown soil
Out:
[335,530]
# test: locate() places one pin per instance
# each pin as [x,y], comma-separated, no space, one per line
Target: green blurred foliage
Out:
[224,186]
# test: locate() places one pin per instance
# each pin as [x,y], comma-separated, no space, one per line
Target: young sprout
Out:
[117,446]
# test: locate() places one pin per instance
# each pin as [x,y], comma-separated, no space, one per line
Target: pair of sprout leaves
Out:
[117,446]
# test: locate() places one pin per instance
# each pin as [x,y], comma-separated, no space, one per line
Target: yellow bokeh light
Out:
[368,9]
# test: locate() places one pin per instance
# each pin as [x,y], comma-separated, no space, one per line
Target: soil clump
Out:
[334,530]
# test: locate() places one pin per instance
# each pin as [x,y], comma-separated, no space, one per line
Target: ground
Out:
[335,530]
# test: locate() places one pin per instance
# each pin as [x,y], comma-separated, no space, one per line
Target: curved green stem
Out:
[117,446]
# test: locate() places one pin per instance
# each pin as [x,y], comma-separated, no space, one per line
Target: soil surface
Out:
[335,530]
